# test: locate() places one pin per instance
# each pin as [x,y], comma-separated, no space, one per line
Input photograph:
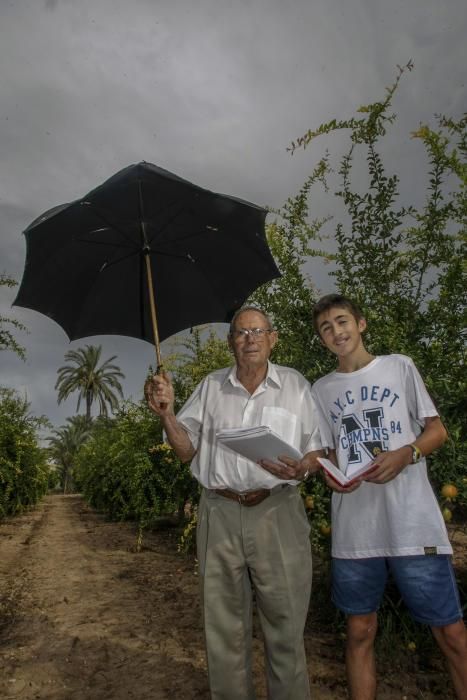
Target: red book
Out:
[338,476]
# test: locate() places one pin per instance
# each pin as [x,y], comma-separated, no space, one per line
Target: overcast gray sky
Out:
[212,90]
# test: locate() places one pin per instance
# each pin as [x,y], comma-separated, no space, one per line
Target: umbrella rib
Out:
[112,226]
[106,243]
[195,235]
[173,255]
[162,228]
[181,238]
[185,238]
[91,289]
[118,260]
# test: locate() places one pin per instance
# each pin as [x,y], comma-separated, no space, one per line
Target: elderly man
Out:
[252,527]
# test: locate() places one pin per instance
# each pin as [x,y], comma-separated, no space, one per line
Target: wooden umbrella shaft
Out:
[152,306]
[147,254]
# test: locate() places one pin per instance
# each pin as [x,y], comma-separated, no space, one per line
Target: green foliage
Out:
[187,542]
[126,471]
[53,481]
[405,266]
[318,515]
[289,299]
[7,339]
[362,130]
[93,383]
[196,357]
[64,444]
[24,470]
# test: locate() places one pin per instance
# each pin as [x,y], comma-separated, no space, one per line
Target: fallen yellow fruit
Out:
[447,515]
[449,491]
[309,502]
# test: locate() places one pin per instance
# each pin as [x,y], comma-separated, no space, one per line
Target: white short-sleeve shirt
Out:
[380,407]
[283,401]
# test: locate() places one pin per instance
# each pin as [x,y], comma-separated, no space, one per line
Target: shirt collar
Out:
[272,376]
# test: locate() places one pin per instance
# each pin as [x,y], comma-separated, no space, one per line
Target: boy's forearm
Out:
[434,435]
[178,438]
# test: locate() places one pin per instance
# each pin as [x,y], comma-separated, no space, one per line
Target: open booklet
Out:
[260,442]
[336,474]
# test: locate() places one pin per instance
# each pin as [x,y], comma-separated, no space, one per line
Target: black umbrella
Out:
[144,238]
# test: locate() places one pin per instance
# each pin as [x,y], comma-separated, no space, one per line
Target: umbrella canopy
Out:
[96,265]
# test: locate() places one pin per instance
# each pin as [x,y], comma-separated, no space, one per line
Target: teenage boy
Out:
[377,410]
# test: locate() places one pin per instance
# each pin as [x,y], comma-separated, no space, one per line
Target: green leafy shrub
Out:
[405,266]
[24,471]
[126,471]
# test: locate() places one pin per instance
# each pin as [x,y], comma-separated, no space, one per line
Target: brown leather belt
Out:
[248,498]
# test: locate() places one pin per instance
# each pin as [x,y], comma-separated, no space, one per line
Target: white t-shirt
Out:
[282,401]
[380,407]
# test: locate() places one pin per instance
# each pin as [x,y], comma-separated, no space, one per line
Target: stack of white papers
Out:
[260,442]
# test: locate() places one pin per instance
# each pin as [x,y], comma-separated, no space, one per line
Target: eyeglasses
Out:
[257,333]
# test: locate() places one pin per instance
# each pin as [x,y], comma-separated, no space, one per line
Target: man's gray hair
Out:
[249,308]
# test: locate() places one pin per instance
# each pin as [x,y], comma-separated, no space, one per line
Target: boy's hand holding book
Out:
[390,464]
[383,468]
[341,482]
[335,486]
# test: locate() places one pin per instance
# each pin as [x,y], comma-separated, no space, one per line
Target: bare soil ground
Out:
[84,616]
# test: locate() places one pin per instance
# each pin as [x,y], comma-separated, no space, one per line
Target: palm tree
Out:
[65,443]
[93,383]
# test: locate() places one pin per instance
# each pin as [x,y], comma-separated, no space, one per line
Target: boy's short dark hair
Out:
[330,301]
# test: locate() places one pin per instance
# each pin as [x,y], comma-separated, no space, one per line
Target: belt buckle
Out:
[242,498]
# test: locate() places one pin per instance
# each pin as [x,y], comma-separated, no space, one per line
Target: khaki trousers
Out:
[265,546]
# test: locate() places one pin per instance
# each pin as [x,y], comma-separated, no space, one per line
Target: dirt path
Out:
[92,618]
[83,616]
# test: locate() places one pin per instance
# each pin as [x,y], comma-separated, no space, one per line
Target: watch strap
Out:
[416,453]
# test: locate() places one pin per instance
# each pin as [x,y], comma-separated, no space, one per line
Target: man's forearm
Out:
[178,438]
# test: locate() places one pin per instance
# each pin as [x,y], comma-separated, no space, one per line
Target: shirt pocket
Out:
[283,422]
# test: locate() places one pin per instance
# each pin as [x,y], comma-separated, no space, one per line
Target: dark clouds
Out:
[213,91]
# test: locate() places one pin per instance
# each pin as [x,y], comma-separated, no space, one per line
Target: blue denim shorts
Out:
[426,583]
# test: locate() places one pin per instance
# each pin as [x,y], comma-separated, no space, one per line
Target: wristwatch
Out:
[416,453]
